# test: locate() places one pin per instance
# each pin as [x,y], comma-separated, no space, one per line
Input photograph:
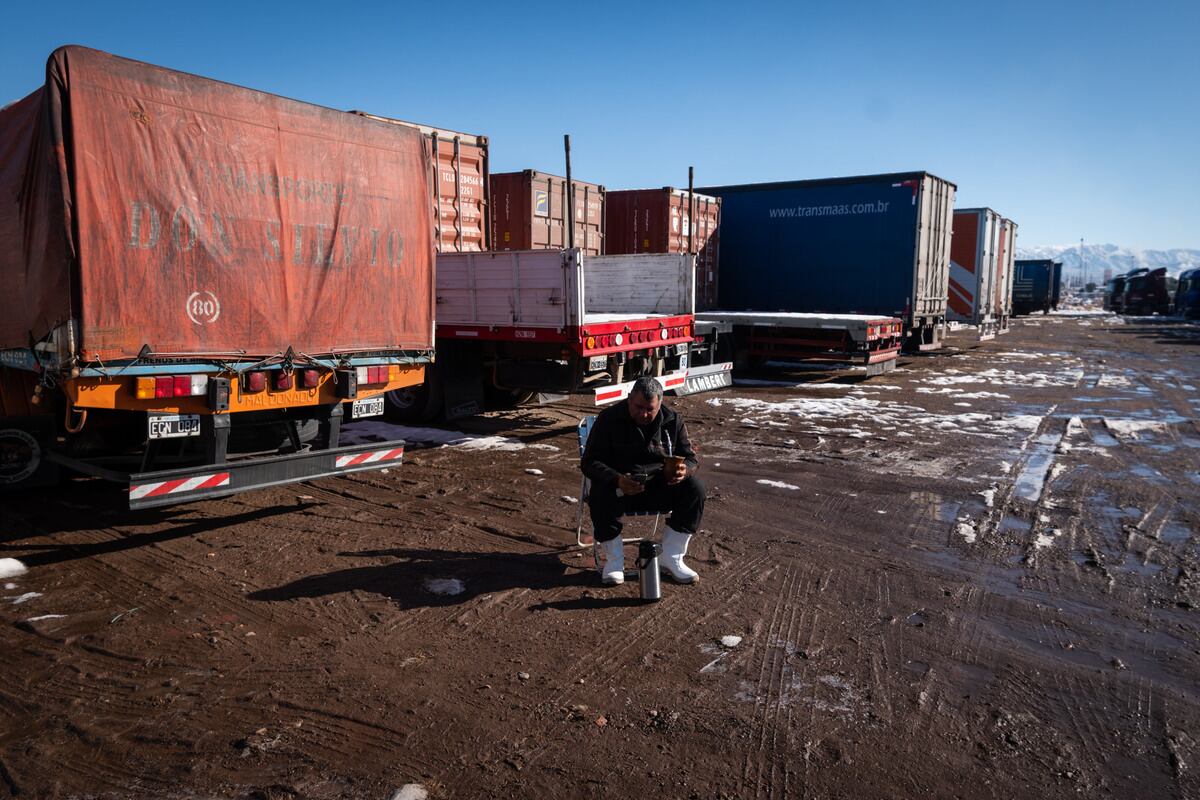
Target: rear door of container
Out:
[985,298]
[461,198]
[548,215]
[695,230]
[931,267]
[966,260]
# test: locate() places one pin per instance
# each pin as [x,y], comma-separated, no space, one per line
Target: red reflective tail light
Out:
[256,381]
[164,387]
[283,380]
[310,378]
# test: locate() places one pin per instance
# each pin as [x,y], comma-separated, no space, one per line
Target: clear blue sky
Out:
[1074,118]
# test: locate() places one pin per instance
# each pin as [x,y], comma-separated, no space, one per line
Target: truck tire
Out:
[505,399]
[420,403]
[22,461]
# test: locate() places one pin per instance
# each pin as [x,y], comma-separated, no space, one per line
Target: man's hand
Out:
[675,472]
[629,486]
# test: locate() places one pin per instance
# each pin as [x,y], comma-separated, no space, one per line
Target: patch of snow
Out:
[532,471]
[566,498]
[777,484]
[1005,467]
[367,432]
[1045,539]
[25,598]
[11,568]
[730,641]
[964,405]
[46,616]
[445,586]
[411,791]
[965,529]
[989,496]
[1133,427]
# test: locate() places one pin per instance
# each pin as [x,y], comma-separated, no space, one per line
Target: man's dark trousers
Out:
[684,501]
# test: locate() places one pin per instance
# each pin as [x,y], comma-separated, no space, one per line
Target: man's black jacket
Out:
[617,446]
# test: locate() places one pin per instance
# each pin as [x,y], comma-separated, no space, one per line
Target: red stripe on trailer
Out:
[372,457]
[219,479]
[166,488]
[608,395]
[191,484]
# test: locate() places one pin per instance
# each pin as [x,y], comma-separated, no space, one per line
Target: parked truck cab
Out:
[1187,294]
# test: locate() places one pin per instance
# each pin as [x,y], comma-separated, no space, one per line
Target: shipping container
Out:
[973,269]
[1031,286]
[1006,256]
[459,186]
[200,265]
[876,245]
[529,212]
[667,220]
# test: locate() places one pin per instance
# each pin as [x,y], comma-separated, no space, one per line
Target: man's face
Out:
[643,409]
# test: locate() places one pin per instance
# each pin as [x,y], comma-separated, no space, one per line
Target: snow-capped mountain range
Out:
[1100,257]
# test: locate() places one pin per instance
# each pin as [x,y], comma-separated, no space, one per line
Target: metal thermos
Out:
[647,564]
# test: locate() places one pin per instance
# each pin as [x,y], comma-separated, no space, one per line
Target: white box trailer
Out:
[974,250]
[516,323]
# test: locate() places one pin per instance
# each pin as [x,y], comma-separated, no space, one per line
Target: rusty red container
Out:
[666,220]
[529,212]
[458,186]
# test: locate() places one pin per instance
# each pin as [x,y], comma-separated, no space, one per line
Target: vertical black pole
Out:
[570,194]
[691,210]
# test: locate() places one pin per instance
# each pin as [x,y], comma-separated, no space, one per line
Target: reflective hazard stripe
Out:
[181,485]
[369,458]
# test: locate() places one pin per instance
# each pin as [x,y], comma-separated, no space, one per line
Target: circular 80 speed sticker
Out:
[20,455]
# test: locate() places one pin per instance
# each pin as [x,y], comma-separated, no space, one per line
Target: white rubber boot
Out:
[612,571]
[675,545]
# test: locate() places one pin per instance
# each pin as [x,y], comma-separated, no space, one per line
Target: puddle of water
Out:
[1175,532]
[1014,524]
[1135,565]
[1032,480]
[1143,471]
[947,512]
[916,619]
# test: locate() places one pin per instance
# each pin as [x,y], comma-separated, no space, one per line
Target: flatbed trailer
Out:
[513,325]
[863,339]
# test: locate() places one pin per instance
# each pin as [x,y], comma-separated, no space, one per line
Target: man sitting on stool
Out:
[628,460]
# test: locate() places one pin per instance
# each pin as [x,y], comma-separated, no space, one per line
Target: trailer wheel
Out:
[504,399]
[22,463]
[414,403]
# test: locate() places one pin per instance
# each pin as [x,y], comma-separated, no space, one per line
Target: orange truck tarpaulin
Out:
[164,209]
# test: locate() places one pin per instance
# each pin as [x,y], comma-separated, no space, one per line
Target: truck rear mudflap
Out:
[671,382]
[707,378]
[189,484]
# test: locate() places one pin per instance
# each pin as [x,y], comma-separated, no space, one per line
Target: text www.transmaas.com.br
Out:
[845,209]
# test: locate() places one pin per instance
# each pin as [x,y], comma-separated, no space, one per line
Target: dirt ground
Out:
[975,577]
